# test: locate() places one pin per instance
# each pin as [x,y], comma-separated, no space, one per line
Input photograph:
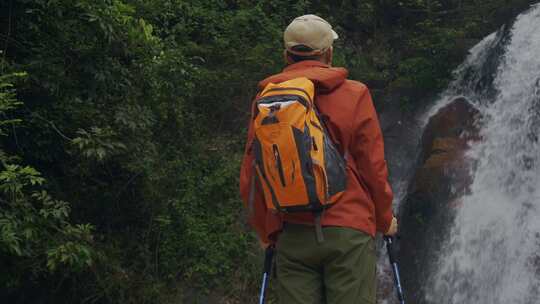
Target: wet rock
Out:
[441,178]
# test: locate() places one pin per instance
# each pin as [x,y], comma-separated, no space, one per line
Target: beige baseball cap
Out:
[310,31]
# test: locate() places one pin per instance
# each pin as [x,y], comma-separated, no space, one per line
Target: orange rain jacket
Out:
[349,114]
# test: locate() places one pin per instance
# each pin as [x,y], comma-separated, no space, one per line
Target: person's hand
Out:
[393,227]
[263,244]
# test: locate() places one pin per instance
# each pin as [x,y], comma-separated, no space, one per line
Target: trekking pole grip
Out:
[392,257]
[268,255]
[390,247]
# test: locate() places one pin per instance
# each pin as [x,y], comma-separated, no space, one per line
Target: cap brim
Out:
[334,35]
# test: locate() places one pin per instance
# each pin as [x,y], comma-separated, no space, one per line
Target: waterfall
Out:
[492,251]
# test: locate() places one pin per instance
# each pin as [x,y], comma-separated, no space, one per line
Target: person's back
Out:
[341,268]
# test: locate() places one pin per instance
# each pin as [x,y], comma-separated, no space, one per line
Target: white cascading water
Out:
[458,88]
[492,253]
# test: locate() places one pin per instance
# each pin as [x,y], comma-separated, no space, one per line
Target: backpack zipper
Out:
[278,164]
[293,171]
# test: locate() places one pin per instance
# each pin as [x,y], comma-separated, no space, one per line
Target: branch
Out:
[51,124]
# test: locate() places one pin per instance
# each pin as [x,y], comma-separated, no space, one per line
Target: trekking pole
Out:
[268,255]
[391,256]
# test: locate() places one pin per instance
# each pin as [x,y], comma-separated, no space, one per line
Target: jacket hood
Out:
[326,78]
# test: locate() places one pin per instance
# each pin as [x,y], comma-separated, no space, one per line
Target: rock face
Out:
[445,140]
[441,179]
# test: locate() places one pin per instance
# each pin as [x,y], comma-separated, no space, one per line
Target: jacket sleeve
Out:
[257,213]
[367,149]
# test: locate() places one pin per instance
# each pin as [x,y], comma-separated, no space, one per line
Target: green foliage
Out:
[98,143]
[8,101]
[202,239]
[36,236]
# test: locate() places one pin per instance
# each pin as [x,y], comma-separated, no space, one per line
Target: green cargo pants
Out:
[339,270]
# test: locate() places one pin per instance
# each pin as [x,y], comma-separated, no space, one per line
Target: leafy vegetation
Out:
[122,126]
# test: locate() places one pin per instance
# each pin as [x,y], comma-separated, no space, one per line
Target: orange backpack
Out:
[296,163]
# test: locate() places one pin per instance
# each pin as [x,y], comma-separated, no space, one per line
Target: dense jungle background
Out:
[122,126]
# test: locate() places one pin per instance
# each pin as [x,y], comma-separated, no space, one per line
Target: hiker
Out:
[337,265]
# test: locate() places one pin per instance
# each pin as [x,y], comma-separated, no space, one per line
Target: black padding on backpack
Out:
[303,143]
[268,120]
[257,151]
[334,165]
